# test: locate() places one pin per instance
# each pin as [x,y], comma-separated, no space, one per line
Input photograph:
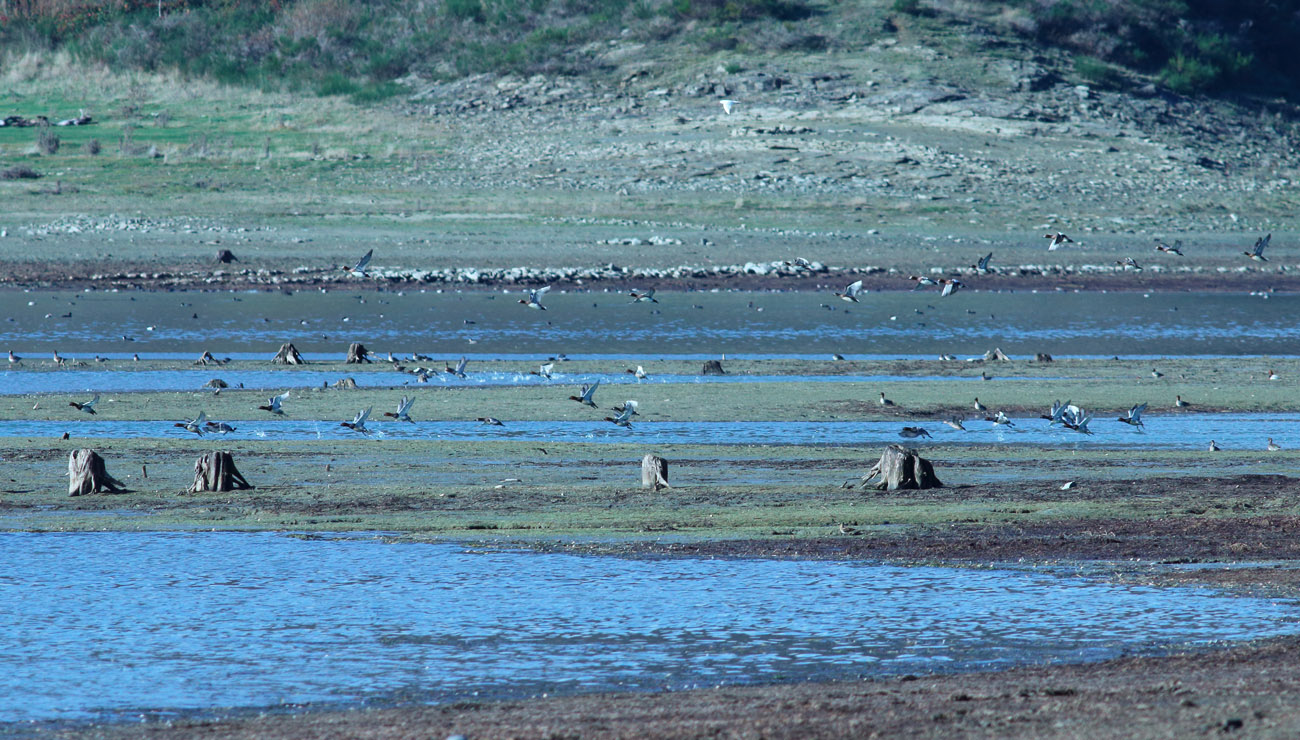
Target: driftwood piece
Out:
[654,472]
[357,354]
[345,384]
[900,467]
[216,471]
[207,359]
[997,354]
[1042,357]
[87,474]
[225,256]
[713,367]
[288,355]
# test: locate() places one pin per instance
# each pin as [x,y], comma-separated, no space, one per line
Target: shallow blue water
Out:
[155,622]
[1173,431]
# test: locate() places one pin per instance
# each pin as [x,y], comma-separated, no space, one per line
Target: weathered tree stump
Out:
[1042,357]
[654,472]
[288,355]
[86,474]
[217,383]
[357,354]
[900,467]
[216,471]
[713,367]
[207,359]
[997,354]
[225,256]
[345,384]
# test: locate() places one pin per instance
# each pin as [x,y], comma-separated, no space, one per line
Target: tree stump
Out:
[1042,357]
[207,359]
[654,472]
[225,256]
[345,384]
[357,354]
[713,367]
[288,355]
[217,383]
[86,474]
[900,467]
[997,354]
[216,471]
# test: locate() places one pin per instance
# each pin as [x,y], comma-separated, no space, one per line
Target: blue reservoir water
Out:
[110,626]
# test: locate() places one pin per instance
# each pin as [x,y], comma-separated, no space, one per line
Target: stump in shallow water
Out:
[207,359]
[87,474]
[225,256]
[1042,357]
[345,384]
[900,467]
[713,367]
[216,471]
[996,354]
[288,355]
[654,472]
[357,354]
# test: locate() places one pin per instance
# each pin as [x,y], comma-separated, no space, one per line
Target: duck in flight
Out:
[197,425]
[639,373]
[950,286]
[358,423]
[1134,416]
[359,268]
[535,298]
[624,419]
[1129,262]
[459,370]
[1058,239]
[88,406]
[982,265]
[644,296]
[544,371]
[1257,253]
[913,432]
[1175,248]
[999,418]
[922,281]
[403,410]
[955,423]
[851,292]
[273,404]
[799,263]
[588,393]
[218,427]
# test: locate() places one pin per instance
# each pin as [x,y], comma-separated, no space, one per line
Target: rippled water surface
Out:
[1175,431]
[111,625]
[681,323]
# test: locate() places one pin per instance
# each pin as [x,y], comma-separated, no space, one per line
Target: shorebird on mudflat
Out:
[359,268]
[1057,240]
[535,298]
[1257,253]
[851,292]
[403,410]
[1180,403]
[88,406]
[884,401]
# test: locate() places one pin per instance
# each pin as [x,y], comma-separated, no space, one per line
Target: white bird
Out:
[88,406]
[535,298]
[851,293]
[196,425]
[639,373]
[727,105]
[1057,240]
[273,404]
[459,370]
[358,423]
[999,418]
[360,267]
[588,392]
[544,370]
[403,409]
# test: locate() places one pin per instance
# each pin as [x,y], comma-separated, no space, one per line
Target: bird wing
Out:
[630,405]
[361,416]
[92,401]
[365,260]
[1135,413]
[536,295]
[589,390]
[1261,243]
[200,419]
[404,406]
[854,288]
[460,366]
[625,416]
[983,264]
[948,288]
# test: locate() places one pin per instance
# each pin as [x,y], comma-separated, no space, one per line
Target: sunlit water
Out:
[105,626]
[1174,431]
[681,323]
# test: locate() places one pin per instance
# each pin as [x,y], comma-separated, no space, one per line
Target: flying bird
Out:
[624,419]
[639,372]
[913,432]
[1129,262]
[851,293]
[1176,248]
[999,418]
[273,404]
[727,105]
[1257,253]
[799,263]
[644,296]
[950,285]
[403,409]
[1134,416]
[1057,240]
[218,427]
[358,423]
[459,370]
[982,266]
[196,425]
[588,391]
[360,267]
[544,371]
[88,406]
[922,281]
[535,298]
